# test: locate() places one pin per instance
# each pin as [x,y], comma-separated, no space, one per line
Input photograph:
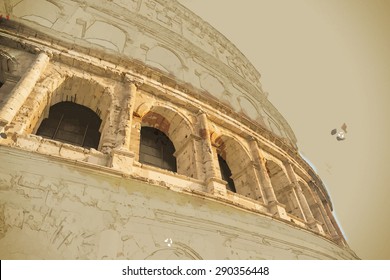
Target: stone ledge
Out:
[34,143]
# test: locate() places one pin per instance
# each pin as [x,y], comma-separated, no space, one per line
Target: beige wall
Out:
[164,36]
[273,183]
[52,209]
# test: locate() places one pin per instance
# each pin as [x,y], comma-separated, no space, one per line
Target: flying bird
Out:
[340,135]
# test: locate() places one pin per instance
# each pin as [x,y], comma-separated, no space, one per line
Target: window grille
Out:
[72,123]
[157,149]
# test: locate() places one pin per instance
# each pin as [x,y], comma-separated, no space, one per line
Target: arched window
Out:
[226,174]
[72,123]
[284,192]
[156,149]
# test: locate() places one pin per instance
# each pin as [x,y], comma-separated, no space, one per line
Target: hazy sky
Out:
[325,63]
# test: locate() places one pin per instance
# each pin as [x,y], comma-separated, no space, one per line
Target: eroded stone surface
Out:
[63,201]
[78,213]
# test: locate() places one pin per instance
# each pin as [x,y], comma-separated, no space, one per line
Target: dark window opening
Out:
[226,174]
[72,123]
[156,149]
[1,84]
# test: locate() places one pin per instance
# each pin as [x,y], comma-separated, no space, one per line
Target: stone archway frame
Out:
[240,163]
[283,187]
[177,126]
[313,202]
[84,91]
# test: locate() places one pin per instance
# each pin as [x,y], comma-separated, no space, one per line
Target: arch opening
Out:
[157,149]
[71,123]
[177,129]
[226,174]
[238,161]
[283,190]
[313,205]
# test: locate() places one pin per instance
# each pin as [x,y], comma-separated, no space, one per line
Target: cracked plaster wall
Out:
[51,209]
[124,109]
[62,210]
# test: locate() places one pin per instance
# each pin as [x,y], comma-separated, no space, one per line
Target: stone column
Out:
[308,215]
[274,207]
[187,157]
[16,98]
[336,234]
[121,156]
[215,185]
[328,223]
[265,181]
[40,104]
[320,217]
[126,115]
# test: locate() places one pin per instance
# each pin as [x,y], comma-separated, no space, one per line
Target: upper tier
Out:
[163,35]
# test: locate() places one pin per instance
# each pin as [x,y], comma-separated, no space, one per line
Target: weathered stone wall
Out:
[126,104]
[163,35]
[86,203]
[51,208]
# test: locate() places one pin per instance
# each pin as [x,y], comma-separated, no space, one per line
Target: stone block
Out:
[28,142]
[122,160]
[216,187]
[97,157]
[72,152]
[278,210]
[50,147]
[317,227]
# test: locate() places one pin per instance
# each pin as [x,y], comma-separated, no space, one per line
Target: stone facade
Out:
[149,63]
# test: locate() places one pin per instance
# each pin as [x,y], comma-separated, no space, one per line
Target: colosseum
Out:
[132,129]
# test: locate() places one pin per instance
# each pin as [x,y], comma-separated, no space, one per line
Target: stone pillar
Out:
[274,207]
[187,157]
[327,220]
[39,107]
[337,235]
[265,181]
[121,156]
[126,115]
[320,217]
[308,215]
[16,98]
[215,185]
